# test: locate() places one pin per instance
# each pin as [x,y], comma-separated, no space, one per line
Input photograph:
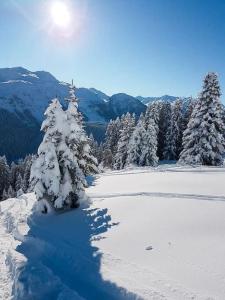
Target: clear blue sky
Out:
[141,47]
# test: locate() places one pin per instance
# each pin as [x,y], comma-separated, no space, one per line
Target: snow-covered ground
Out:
[148,234]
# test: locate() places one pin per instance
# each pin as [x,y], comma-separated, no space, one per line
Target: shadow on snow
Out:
[61,262]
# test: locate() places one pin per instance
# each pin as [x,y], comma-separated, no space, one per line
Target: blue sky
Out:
[141,47]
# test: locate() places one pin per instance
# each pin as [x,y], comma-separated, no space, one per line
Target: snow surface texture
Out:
[148,234]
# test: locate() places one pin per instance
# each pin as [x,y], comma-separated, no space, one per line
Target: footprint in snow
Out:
[149,248]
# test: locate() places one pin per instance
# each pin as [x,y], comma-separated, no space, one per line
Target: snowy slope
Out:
[148,234]
[148,100]
[21,89]
[25,95]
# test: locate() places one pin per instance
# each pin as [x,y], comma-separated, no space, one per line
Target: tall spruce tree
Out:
[164,123]
[150,143]
[174,133]
[4,175]
[127,127]
[77,138]
[112,136]
[136,143]
[203,141]
[56,175]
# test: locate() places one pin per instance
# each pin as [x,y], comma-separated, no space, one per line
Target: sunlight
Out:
[60,14]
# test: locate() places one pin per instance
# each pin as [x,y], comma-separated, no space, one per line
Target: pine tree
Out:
[174,132]
[4,175]
[112,136]
[27,168]
[187,113]
[11,193]
[19,182]
[164,123]
[203,141]
[77,138]
[136,143]
[127,127]
[56,176]
[149,152]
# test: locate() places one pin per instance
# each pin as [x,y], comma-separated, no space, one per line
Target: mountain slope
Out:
[147,100]
[121,103]
[24,96]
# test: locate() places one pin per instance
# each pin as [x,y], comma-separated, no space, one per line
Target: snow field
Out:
[148,234]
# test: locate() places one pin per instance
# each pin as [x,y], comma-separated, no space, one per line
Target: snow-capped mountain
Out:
[22,90]
[147,100]
[24,96]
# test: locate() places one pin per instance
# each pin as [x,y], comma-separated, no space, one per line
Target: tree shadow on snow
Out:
[61,262]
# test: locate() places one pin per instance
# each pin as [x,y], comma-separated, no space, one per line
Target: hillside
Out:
[148,234]
[24,96]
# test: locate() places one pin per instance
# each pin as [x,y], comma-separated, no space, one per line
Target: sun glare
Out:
[60,14]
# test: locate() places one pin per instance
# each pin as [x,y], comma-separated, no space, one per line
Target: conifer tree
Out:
[77,138]
[56,175]
[19,182]
[149,152]
[136,143]
[153,112]
[174,132]
[164,123]
[203,141]
[112,136]
[127,127]
[4,175]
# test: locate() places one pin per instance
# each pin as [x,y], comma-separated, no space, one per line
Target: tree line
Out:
[191,132]
[15,178]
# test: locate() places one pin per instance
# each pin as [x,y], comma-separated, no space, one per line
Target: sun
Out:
[60,14]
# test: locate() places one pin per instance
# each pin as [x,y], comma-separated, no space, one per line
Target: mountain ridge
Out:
[25,95]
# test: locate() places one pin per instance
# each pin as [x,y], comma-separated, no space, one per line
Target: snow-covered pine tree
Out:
[127,127]
[174,132]
[57,179]
[149,148]
[27,168]
[187,113]
[4,175]
[19,182]
[164,123]
[16,169]
[203,141]
[112,135]
[11,193]
[153,112]
[77,138]
[136,143]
